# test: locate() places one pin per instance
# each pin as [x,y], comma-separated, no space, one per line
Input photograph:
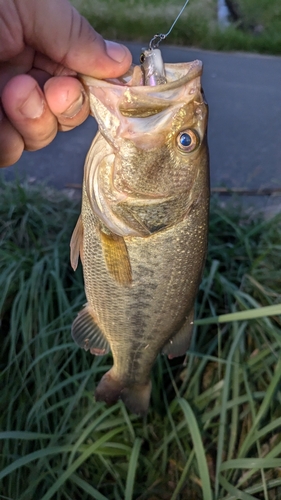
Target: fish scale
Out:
[142,242]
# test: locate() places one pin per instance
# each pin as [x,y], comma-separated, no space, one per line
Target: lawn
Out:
[213,428]
[254,27]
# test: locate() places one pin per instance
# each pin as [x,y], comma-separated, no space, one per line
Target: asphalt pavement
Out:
[244,96]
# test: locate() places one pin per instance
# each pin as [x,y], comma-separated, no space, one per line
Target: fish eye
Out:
[187,140]
[142,58]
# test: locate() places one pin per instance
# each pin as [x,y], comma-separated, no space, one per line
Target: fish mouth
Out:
[177,75]
[129,97]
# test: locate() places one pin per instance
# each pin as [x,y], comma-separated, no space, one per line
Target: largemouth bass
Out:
[142,232]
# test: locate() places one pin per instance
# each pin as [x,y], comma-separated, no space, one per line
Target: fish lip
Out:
[186,72]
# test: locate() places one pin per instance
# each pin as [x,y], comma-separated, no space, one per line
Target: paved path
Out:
[244,95]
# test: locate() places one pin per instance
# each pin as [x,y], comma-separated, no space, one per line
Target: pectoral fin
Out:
[178,345]
[88,335]
[76,244]
[116,257]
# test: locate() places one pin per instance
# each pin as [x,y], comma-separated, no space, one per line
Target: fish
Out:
[143,229]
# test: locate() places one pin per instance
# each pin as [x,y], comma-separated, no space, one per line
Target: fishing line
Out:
[154,42]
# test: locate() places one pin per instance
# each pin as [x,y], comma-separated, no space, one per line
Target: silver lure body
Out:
[153,67]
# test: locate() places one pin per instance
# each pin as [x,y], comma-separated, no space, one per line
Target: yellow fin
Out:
[116,258]
[76,244]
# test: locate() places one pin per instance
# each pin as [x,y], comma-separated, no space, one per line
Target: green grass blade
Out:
[274,384]
[74,466]
[232,490]
[36,455]
[183,477]
[237,334]
[261,312]
[198,448]
[133,464]
[89,430]
[87,488]
[24,435]
[251,463]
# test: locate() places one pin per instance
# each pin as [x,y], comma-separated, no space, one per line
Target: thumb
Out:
[56,29]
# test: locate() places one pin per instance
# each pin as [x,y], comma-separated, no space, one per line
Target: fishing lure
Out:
[152,64]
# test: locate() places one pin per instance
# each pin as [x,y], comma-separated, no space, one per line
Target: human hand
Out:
[43,45]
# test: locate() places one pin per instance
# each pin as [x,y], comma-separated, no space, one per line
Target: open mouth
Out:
[176,76]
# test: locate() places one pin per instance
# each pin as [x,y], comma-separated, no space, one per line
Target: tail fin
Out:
[136,397]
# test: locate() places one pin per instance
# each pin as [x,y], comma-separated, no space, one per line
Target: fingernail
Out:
[33,106]
[115,51]
[75,107]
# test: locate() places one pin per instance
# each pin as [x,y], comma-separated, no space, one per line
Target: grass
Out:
[213,428]
[257,27]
